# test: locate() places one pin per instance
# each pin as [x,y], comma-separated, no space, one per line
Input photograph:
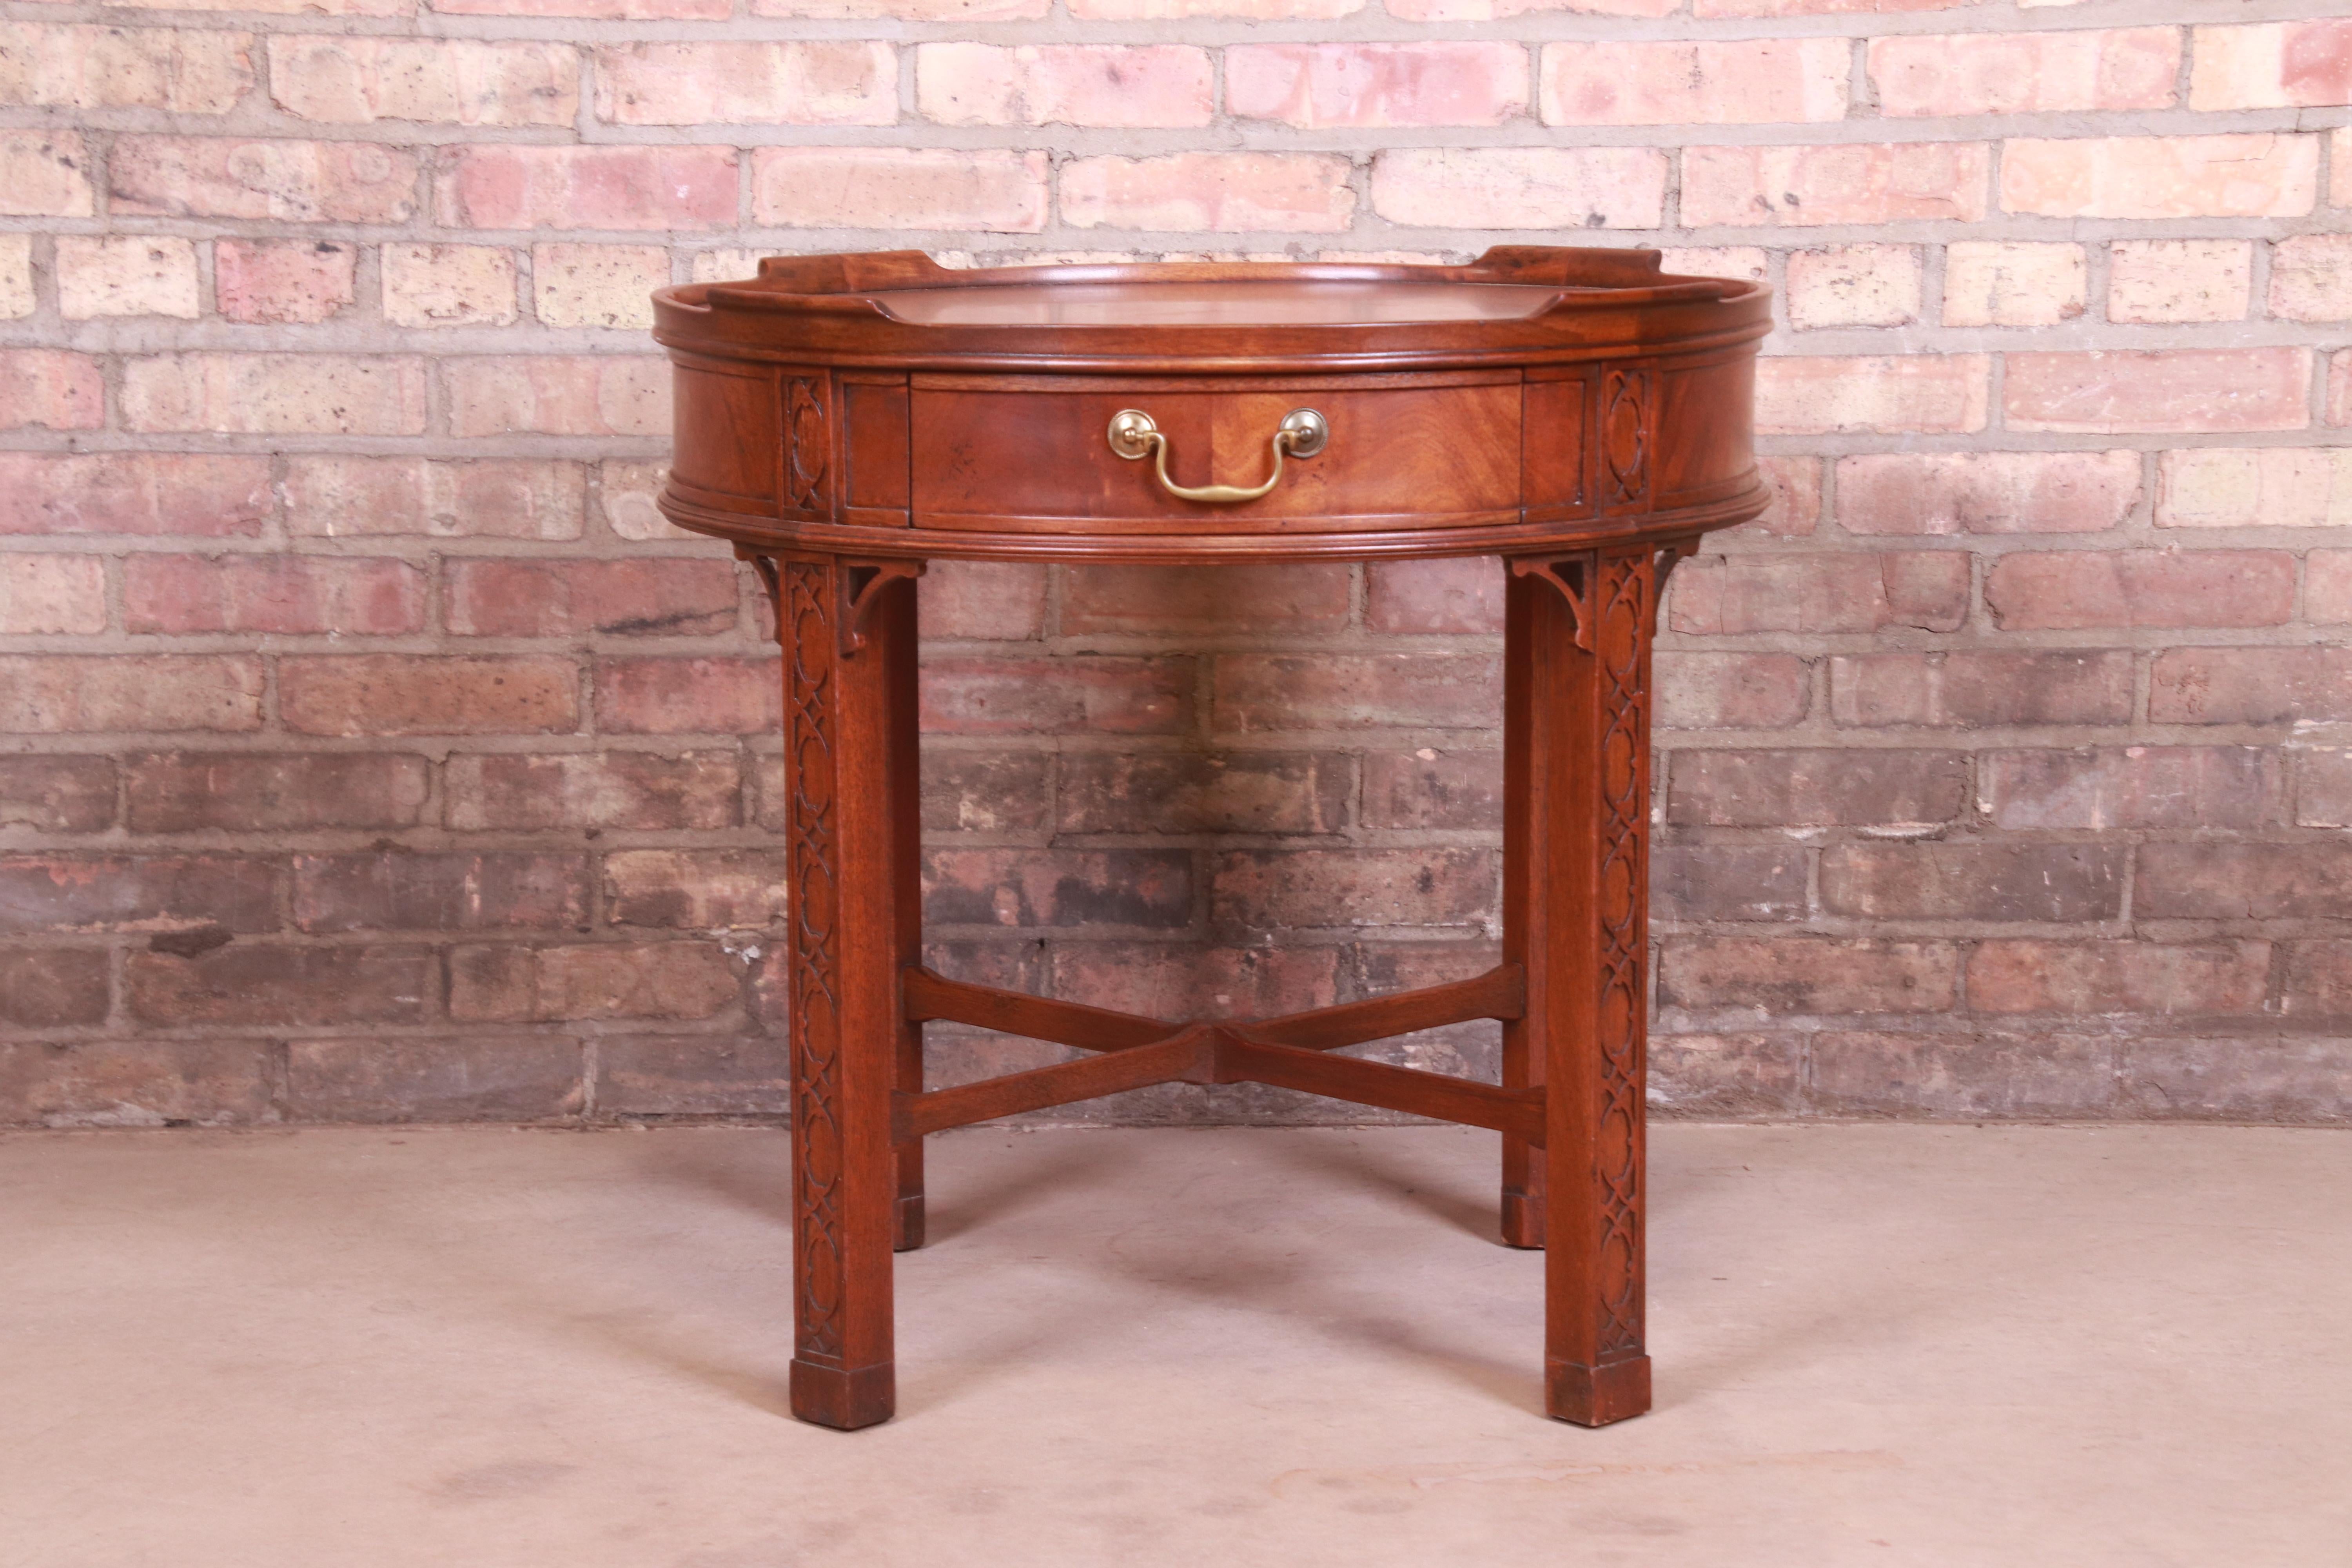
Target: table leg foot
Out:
[1522,1219]
[1597,1395]
[906,1224]
[842,1398]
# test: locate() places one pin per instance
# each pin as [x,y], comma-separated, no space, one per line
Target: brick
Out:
[45,173]
[994,192]
[2145,178]
[251,178]
[2041,590]
[1521,188]
[2327,587]
[2072,72]
[688,696]
[48,696]
[543,598]
[1059,889]
[349,79]
[2033,976]
[1731,595]
[1986,493]
[127,275]
[1376,86]
[997,695]
[283,282]
[670,980]
[2322,789]
[1815,788]
[1711,8]
[1746,82]
[1900,394]
[2013,283]
[2318,981]
[1751,261]
[1724,1078]
[308,10]
[448,286]
[602,10]
[2275,65]
[2250,685]
[625,500]
[60,893]
[1261,692]
[981,601]
[576,394]
[2180,390]
[1284,889]
[1224,193]
[48,596]
[2339,169]
[403,694]
[693,1075]
[143,493]
[1059,84]
[1204,600]
[1155,10]
[528,1077]
[274,395]
[1972,689]
[333,497]
[51,988]
[2179,279]
[1858,183]
[963,792]
[1193,791]
[824,82]
[136,1083]
[50,388]
[286,593]
[1726,882]
[2311,277]
[631,790]
[1974,1077]
[1796,507]
[2133,786]
[1854,286]
[2290,1080]
[597,285]
[1781,976]
[402,890]
[2339,389]
[183,70]
[2309,881]
[16,300]
[1434,788]
[1460,594]
[1163,979]
[257,792]
[56,793]
[699,889]
[1731,690]
[1973,881]
[504,185]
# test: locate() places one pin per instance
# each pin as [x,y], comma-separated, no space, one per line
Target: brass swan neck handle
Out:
[1302,434]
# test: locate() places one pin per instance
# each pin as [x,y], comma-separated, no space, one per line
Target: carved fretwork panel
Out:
[1625,414]
[808,442]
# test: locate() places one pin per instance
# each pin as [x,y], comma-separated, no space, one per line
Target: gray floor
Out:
[490,1349]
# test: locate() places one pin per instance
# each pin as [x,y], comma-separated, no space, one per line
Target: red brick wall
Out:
[369,748]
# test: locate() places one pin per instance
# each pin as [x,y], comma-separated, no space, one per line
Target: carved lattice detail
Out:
[1624,437]
[805,624]
[807,443]
[1621,615]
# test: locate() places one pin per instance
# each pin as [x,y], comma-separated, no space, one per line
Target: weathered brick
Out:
[404,694]
[134,494]
[250,179]
[53,594]
[2250,685]
[581,394]
[2182,389]
[1058,84]
[45,695]
[1743,81]
[1459,593]
[1271,889]
[287,594]
[1820,788]
[1796,507]
[2318,981]
[49,793]
[2291,1078]
[333,497]
[824,81]
[1153,10]
[1780,976]
[1986,493]
[448,286]
[2013,283]
[1164,980]
[597,285]
[1521,188]
[626,500]
[183,70]
[1908,394]
[1726,882]
[45,173]
[2135,787]
[2037,590]
[2025,975]
[283,282]
[1854,182]
[1935,881]
[50,988]
[2327,587]
[524,1077]
[692,1075]
[2311,277]
[688,696]
[1377,86]
[505,185]
[1432,788]
[986,601]
[51,389]
[137,1083]
[1854,286]
[2274,64]
[2145,178]
[2340,387]
[962,792]
[1223,192]
[1965,689]
[401,890]
[268,984]
[1257,692]
[275,393]
[1003,696]
[540,598]
[1731,690]
[357,79]
[695,889]
[603,10]
[267,792]
[17,297]
[2162,280]
[2322,789]
[900,187]
[1728,595]
[1973,1076]
[2310,881]
[1194,792]
[1031,888]
[671,981]
[127,275]
[1724,1078]
[1204,600]
[633,790]
[2069,72]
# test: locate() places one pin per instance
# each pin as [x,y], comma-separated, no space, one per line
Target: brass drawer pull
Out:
[1302,434]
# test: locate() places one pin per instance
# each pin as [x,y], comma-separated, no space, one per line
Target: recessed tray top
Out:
[1240,304]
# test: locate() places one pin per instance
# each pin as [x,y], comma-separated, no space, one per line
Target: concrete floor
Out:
[490,1349]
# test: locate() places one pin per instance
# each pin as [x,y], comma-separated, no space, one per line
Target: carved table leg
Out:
[848,634]
[1576,764]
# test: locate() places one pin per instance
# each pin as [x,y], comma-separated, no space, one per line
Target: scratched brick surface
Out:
[371,750]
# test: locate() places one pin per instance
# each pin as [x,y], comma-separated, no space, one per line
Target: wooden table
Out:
[843,419]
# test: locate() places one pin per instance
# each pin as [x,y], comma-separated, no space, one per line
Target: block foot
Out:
[1523,1220]
[1597,1395]
[906,1225]
[844,1400]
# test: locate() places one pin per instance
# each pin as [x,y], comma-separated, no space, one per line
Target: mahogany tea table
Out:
[843,419]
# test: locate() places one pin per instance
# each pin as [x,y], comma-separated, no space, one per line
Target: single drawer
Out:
[1017,453]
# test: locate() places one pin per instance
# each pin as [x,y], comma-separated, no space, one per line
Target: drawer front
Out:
[1031,453]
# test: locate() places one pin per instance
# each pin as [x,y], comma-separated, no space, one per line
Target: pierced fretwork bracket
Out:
[1670,552]
[1572,576]
[860,585]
